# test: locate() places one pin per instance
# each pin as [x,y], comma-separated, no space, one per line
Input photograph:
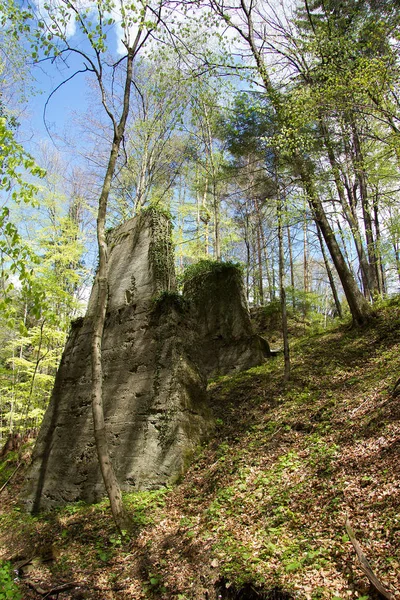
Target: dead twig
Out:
[56,590]
[366,569]
[61,588]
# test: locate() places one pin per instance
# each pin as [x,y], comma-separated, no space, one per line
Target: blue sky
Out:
[72,97]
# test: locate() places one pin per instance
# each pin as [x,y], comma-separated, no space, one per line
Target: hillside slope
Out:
[261,511]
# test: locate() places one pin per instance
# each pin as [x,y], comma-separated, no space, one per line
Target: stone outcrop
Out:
[154,394]
[158,349]
[227,342]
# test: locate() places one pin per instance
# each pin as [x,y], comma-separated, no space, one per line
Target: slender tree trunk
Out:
[206,218]
[140,185]
[358,162]
[289,238]
[35,372]
[286,349]
[100,433]
[259,254]
[306,276]
[267,264]
[344,247]
[215,198]
[330,275]
[381,271]
[348,209]
[181,222]
[273,274]
[247,269]
[359,307]
[397,256]
[253,262]
[260,267]
[198,214]
[269,276]
[217,230]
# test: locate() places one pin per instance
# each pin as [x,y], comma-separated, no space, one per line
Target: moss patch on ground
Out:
[263,504]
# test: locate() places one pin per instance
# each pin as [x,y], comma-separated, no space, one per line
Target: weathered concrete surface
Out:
[155,360]
[154,395]
[141,262]
[227,342]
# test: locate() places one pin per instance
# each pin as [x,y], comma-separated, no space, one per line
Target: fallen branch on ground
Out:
[366,569]
[56,590]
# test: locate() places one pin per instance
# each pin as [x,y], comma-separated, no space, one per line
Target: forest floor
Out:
[261,511]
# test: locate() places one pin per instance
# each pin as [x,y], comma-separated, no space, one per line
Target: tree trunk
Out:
[286,349]
[348,209]
[259,254]
[273,272]
[100,433]
[289,238]
[267,266]
[329,273]
[306,275]
[206,218]
[381,271]
[344,247]
[217,232]
[359,307]
[358,162]
[397,257]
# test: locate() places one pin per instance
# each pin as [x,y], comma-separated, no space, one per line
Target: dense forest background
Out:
[268,131]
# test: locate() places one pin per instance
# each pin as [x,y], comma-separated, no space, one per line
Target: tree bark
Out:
[100,433]
[259,253]
[359,307]
[306,275]
[348,210]
[378,239]
[286,348]
[289,238]
[330,275]
[358,162]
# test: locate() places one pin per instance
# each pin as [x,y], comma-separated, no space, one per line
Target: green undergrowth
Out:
[8,587]
[265,501]
[7,466]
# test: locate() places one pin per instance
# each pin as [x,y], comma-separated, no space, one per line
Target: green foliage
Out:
[272,309]
[154,585]
[26,381]
[34,327]
[167,300]
[248,124]
[144,506]
[161,251]
[15,255]
[8,587]
[205,267]
[322,454]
